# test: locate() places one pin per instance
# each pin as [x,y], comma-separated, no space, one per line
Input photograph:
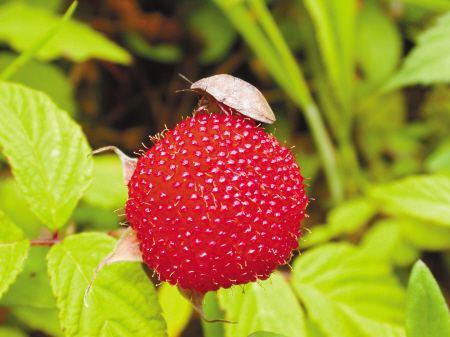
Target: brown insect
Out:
[232,92]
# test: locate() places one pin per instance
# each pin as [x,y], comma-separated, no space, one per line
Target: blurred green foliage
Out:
[361,91]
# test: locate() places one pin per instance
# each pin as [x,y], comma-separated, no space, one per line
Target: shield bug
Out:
[232,92]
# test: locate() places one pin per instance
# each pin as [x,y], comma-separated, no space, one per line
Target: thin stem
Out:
[26,56]
[326,151]
[49,242]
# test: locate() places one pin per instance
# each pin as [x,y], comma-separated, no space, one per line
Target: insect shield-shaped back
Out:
[238,95]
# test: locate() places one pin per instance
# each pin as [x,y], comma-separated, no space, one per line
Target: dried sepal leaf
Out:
[236,94]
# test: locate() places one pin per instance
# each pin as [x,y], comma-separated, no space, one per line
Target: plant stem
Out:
[26,56]
[326,151]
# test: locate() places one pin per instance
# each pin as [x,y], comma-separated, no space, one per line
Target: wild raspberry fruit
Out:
[216,202]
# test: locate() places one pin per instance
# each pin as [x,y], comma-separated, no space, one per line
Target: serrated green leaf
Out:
[23,24]
[331,280]
[32,287]
[56,84]
[427,314]
[378,42]
[40,319]
[14,205]
[48,153]
[346,218]
[429,61]
[425,197]
[13,252]
[176,309]
[122,300]
[107,189]
[269,305]
[11,332]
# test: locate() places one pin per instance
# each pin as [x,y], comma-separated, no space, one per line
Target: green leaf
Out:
[268,305]
[176,309]
[11,332]
[13,203]
[334,23]
[40,319]
[122,300]
[378,42]
[52,5]
[346,218]
[108,189]
[425,197]
[439,160]
[13,252]
[214,29]
[165,53]
[32,287]
[429,61]
[331,280]
[434,5]
[427,314]
[76,41]
[265,334]
[385,241]
[48,153]
[425,235]
[56,84]
[95,218]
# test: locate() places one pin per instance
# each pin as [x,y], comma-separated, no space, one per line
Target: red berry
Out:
[216,202]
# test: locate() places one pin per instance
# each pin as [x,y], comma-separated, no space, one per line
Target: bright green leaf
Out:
[32,287]
[40,319]
[427,314]
[11,332]
[23,24]
[331,280]
[434,5]
[439,160]
[429,61]
[425,235]
[13,203]
[56,84]
[13,251]
[346,218]
[122,300]
[425,197]
[264,306]
[384,241]
[95,218]
[334,23]
[176,309]
[378,42]
[108,189]
[48,153]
